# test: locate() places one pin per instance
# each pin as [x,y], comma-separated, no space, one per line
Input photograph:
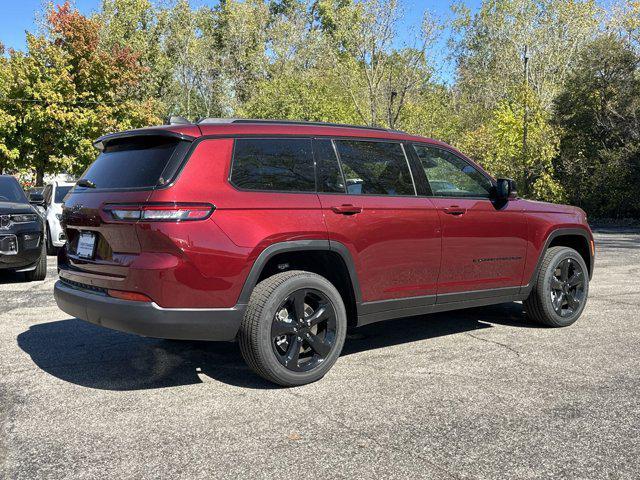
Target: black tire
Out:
[553,301]
[51,249]
[40,272]
[258,345]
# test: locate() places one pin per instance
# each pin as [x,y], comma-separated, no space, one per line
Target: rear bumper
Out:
[147,318]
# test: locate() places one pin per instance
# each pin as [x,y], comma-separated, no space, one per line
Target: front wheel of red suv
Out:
[294,328]
[559,294]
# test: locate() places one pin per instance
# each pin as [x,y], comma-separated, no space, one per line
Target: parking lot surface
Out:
[478,393]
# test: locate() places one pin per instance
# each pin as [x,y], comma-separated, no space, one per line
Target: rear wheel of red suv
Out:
[560,291]
[294,328]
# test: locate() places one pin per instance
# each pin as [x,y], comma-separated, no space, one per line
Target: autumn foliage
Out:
[65,91]
[350,61]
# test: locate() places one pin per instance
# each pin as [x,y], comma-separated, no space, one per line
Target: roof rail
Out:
[210,121]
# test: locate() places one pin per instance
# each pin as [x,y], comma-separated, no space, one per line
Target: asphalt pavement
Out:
[478,393]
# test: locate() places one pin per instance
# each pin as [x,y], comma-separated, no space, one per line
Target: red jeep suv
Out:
[282,234]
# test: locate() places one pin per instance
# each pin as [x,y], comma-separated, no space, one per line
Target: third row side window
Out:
[283,164]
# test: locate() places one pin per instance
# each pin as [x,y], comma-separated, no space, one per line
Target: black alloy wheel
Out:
[560,288]
[294,328]
[303,331]
[567,287]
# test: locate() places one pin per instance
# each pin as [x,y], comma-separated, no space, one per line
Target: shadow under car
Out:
[96,357]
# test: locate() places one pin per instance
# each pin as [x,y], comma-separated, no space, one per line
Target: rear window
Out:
[143,162]
[283,164]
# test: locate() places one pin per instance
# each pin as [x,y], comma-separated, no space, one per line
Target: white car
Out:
[54,194]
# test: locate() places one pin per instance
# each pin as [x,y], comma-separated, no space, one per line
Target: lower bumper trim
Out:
[147,318]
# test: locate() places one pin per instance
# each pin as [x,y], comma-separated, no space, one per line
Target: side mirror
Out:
[505,189]
[36,199]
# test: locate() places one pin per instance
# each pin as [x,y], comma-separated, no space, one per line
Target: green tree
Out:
[379,76]
[300,79]
[140,27]
[432,112]
[488,47]
[599,113]
[239,36]
[498,146]
[305,95]
[8,153]
[64,91]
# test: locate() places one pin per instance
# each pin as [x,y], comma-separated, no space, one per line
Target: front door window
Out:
[450,176]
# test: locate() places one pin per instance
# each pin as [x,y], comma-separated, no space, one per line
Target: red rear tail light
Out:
[159,212]
[132,296]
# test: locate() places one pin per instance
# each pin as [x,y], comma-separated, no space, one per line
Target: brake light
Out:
[160,212]
[132,296]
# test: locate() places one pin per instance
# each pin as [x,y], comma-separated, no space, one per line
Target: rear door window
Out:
[137,163]
[330,177]
[375,168]
[278,164]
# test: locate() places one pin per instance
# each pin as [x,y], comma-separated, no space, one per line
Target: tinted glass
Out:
[10,191]
[375,168]
[329,175]
[283,164]
[61,192]
[136,163]
[450,176]
[47,194]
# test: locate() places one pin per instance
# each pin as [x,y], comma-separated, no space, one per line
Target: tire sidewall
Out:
[40,272]
[545,289]
[50,247]
[265,349]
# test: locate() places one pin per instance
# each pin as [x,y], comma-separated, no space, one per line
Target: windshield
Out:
[10,191]
[61,192]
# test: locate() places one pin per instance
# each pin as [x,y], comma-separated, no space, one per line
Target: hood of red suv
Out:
[538,206]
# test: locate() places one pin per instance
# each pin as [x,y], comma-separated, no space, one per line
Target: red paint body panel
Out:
[482,248]
[400,246]
[542,220]
[395,243]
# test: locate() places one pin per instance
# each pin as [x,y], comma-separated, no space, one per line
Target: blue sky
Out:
[19,16]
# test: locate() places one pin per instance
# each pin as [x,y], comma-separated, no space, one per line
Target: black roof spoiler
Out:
[102,142]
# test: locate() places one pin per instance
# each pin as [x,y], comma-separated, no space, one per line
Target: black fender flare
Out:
[297,246]
[559,232]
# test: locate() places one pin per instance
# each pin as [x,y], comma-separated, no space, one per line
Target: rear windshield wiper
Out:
[85,182]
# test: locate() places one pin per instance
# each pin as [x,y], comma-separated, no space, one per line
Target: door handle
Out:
[346,209]
[455,210]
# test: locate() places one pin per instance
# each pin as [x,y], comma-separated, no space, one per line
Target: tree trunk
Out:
[39,176]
